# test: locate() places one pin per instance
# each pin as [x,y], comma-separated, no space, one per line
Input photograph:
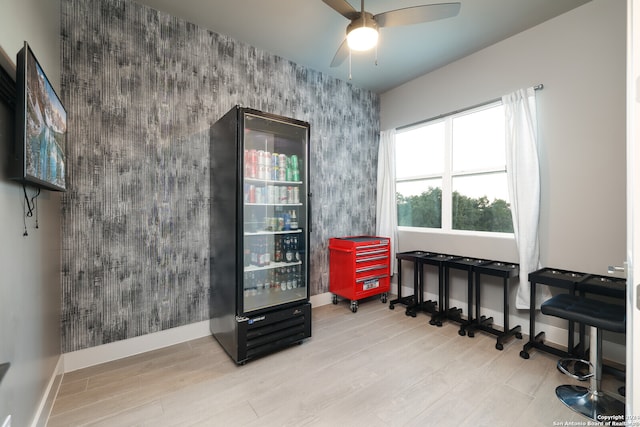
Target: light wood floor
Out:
[376,367]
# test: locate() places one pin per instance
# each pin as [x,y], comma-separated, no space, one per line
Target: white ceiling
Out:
[308,32]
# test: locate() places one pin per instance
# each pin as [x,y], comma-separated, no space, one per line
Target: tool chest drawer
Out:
[359,267]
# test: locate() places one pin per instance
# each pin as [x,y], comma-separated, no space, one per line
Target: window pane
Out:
[419,203]
[481,203]
[420,152]
[478,140]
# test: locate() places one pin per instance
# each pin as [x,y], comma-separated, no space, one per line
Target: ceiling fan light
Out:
[362,38]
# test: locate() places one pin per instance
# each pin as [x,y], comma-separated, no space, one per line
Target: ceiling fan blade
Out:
[416,14]
[343,8]
[341,54]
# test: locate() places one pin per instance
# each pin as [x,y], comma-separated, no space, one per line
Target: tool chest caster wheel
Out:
[524,354]
[391,306]
[519,336]
[383,298]
[499,346]
[334,299]
[354,306]
[462,332]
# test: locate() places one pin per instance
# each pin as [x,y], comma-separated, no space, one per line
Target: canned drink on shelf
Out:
[274,159]
[275,171]
[252,193]
[282,161]
[282,173]
[289,174]
[273,196]
[294,161]
[290,195]
[296,175]
[296,195]
[253,163]
[283,194]
[261,157]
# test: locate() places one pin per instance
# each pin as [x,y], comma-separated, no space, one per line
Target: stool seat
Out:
[591,402]
[602,315]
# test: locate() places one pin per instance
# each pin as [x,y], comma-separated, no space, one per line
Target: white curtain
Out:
[523,175]
[386,214]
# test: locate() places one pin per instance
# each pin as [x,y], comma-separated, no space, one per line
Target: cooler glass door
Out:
[274,213]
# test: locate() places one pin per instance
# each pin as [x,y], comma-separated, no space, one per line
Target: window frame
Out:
[448,175]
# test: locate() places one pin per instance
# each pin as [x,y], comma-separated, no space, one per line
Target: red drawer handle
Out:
[377,251]
[364,279]
[372,267]
[373,258]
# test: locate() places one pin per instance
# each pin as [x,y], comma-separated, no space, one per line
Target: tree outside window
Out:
[451,173]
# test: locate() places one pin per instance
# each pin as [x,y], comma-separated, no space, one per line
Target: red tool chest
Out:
[359,267]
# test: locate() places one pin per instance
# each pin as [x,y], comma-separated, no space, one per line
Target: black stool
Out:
[455,313]
[406,300]
[507,272]
[415,302]
[440,260]
[591,402]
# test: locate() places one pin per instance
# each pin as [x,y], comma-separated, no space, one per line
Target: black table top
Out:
[414,255]
[466,263]
[498,268]
[604,285]
[438,259]
[556,277]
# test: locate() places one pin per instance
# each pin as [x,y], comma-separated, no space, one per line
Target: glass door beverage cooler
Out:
[259,233]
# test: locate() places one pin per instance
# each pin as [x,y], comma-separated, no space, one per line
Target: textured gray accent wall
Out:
[142,89]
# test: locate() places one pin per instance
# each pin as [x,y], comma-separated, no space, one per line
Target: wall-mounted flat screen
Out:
[41,127]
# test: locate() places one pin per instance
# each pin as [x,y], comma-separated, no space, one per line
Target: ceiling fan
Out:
[362,32]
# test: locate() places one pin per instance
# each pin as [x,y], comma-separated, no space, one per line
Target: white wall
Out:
[580,59]
[29,266]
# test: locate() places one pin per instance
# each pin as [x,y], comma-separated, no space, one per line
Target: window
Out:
[451,173]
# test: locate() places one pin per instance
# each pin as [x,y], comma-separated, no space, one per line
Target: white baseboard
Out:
[120,349]
[48,398]
[321,299]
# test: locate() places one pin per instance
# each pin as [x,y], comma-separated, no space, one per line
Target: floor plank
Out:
[376,367]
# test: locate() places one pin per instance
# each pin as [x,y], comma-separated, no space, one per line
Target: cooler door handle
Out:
[309,211]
